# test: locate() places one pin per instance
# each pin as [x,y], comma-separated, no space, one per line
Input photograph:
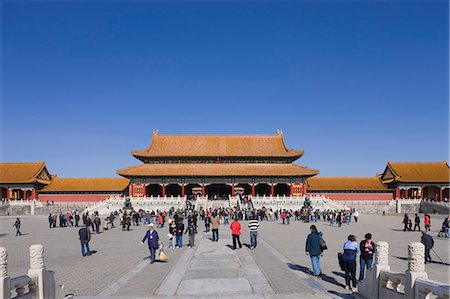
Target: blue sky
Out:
[353,84]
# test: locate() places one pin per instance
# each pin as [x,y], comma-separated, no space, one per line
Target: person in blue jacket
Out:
[152,239]
[351,249]
[313,249]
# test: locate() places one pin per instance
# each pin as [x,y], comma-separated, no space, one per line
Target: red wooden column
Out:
[8,194]
[182,190]
[441,194]
[144,190]
[163,190]
[33,193]
[232,190]
[253,189]
[291,189]
[397,193]
[304,189]
[272,190]
[203,190]
[130,190]
[421,193]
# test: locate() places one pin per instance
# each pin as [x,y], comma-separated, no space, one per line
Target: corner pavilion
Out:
[217,165]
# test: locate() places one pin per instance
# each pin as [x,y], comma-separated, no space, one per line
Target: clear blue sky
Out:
[353,83]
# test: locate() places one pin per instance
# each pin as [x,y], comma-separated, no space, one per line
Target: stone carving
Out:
[416,257]
[3,262]
[382,254]
[37,257]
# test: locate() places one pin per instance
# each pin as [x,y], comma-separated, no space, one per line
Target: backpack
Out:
[340,261]
[322,244]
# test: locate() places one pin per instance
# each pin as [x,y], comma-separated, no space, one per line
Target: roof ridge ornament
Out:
[279,132]
[155,132]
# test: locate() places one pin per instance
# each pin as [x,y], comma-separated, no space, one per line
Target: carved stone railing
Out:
[380,282]
[39,283]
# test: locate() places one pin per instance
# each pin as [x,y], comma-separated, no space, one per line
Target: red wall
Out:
[73,197]
[357,196]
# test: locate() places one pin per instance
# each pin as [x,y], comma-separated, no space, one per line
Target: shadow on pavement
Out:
[324,277]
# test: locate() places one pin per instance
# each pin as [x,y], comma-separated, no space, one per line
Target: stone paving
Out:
[277,268]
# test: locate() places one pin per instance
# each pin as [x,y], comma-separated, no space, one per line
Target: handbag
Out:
[163,257]
[322,244]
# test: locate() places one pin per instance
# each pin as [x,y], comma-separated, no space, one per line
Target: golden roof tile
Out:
[86,184]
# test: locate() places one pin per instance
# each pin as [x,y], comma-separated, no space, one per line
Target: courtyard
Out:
[278,267]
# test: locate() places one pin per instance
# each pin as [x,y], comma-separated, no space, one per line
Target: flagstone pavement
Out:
[277,268]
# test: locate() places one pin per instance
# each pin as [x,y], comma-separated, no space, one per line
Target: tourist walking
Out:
[215,224]
[427,222]
[152,240]
[85,236]
[97,223]
[50,220]
[179,232]
[367,248]
[417,222]
[111,219]
[356,216]
[253,225]
[314,250]
[446,226]
[191,230]
[235,227]
[351,249]
[172,233]
[17,226]
[405,222]
[428,242]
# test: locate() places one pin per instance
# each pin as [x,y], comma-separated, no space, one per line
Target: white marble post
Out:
[5,285]
[416,267]
[37,269]
[369,288]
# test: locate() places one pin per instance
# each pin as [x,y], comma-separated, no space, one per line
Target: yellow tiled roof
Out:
[346,183]
[217,169]
[217,146]
[21,172]
[86,184]
[427,172]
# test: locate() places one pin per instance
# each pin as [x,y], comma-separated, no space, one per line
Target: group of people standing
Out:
[315,245]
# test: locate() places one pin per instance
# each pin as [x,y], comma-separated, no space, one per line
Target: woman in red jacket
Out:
[236,232]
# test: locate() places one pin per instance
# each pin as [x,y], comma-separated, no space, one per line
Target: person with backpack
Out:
[351,249]
[428,242]
[314,249]
[405,222]
[367,248]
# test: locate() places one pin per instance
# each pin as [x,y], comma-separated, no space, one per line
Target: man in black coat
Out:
[417,222]
[428,242]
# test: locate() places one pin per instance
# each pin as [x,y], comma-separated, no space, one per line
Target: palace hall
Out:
[217,165]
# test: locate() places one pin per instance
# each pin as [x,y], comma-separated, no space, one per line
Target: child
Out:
[410,224]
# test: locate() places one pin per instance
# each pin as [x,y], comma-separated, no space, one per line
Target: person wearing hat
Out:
[152,239]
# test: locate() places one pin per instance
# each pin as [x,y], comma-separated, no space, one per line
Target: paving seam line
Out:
[307,280]
[259,268]
[115,286]
[169,285]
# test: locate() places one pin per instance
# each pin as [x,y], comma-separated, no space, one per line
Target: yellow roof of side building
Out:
[346,183]
[416,172]
[24,172]
[86,184]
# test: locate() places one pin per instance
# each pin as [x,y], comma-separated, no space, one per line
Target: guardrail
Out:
[38,283]
[380,282]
